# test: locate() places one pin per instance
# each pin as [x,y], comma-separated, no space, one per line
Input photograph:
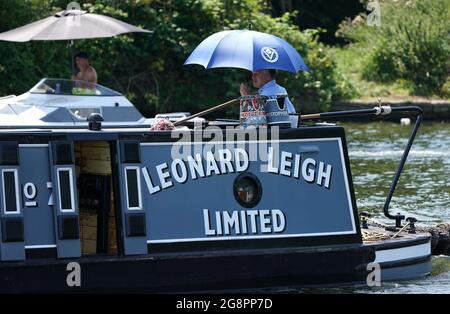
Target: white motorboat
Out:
[64,103]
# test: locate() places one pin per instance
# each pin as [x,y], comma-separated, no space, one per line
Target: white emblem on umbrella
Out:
[269,54]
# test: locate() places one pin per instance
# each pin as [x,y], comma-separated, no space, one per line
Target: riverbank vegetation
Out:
[407,55]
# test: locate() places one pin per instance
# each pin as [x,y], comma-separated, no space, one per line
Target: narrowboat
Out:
[93,200]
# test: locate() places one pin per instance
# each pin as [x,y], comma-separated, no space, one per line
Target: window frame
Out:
[139,189]
[16,186]
[71,187]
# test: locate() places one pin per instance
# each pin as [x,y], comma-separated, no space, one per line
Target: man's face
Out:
[81,62]
[260,78]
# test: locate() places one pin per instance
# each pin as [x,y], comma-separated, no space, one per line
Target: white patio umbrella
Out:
[70,25]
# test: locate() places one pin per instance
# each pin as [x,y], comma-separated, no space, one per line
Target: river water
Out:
[423,190]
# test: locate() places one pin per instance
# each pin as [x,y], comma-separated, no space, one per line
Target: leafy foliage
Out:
[412,44]
[324,14]
[148,68]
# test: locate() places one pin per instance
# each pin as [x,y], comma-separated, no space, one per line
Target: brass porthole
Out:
[247,190]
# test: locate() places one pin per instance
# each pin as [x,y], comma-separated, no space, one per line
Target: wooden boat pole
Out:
[215,108]
[310,116]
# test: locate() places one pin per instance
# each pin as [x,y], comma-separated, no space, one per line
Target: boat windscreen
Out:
[72,88]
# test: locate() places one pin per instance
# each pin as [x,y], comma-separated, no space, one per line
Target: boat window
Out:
[71,88]
[133,188]
[10,184]
[65,186]
[83,113]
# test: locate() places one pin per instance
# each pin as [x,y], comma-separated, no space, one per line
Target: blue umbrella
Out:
[247,49]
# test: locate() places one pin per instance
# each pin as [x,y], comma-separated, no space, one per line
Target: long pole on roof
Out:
[215,108]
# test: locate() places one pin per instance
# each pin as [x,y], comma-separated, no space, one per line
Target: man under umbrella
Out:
[264,80]
[258,52]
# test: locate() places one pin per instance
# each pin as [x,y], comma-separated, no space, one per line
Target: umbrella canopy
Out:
[70,25]
[247,49]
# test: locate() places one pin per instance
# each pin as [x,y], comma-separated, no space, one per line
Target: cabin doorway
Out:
[98,224]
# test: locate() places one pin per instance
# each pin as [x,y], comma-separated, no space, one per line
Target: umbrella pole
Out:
[72,56]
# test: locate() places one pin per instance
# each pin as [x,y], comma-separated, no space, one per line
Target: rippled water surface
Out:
[423,190]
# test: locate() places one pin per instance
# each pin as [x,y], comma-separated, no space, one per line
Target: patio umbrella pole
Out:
[72,56]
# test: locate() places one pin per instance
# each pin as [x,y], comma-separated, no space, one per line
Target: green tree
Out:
[412,44]
[148,68]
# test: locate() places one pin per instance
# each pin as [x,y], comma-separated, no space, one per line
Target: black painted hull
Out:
[194,272]
[408,257]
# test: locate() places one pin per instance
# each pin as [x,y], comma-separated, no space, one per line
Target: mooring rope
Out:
[373,235]
[406,225]
[376,224]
